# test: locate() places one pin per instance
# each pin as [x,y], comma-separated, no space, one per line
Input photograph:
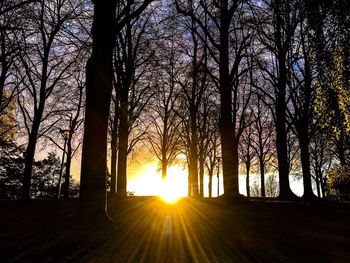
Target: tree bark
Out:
[201,177]
[29,155]
[68,165]
[164,169]
[114,145]
[99,75]
[305,163]
[281,107]
[194,154]
[210,185]
[229,160]
[123,143]
[262,177]
[248,179]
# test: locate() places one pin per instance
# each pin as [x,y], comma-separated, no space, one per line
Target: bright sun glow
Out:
[174,186]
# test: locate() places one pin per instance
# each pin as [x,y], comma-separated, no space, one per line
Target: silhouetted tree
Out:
[45,65]
[276,22]
[221,27]
[133,74]
[99,76]
[302,96]
[164,135]
[246,150]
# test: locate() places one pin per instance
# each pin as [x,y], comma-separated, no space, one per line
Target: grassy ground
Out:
[144,229]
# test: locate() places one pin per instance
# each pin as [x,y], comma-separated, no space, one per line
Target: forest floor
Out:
[145,229]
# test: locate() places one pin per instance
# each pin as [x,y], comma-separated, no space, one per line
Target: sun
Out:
[174,186]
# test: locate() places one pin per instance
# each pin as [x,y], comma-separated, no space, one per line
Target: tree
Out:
[320,158]
[276,22]
[99,76]
[132,77]
[220,27]
[164,135]
[247,153]
[10,46]
[71,122]
[331,32]
[213,151]
[302,97]
[11,170]
[263,138]
[194,83]
[46,65]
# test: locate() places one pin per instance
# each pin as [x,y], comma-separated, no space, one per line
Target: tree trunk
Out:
[341,149]
[281,132]
[281,145]
[189,179]
[123,143]
[210,185]
[248,179]
[230,176]
[114,144]
[227,128]
[29,154]
[164,169]
[68,165]
[99,75]
[201,177]
[305,164]
[194,155]
[262,177]
[323,190]
[318,186]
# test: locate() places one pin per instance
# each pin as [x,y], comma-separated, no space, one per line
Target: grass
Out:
[145,229]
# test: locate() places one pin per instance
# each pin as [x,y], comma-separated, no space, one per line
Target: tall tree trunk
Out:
[114,145]
[281,145]
[230,176]
[248,179]
[229,161]
[4,68]
[281,107]
[164,169]
[210,185]
[201,177]
[305,164]
[262,176]
[99,75]
[194,154]
[189,179]
[123,143]
[29,156]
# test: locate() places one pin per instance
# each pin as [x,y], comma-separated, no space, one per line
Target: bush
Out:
[338,182]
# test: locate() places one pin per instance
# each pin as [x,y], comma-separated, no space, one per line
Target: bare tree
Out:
[246,150]
[263,143]
[302,96]
[107,22]
[133,75]
[47,62]
[276,21]
[220,29]
[164,135]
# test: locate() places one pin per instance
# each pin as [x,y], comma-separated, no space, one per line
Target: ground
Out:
[145,229]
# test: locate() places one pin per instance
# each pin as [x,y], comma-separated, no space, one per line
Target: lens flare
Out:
[174,186]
